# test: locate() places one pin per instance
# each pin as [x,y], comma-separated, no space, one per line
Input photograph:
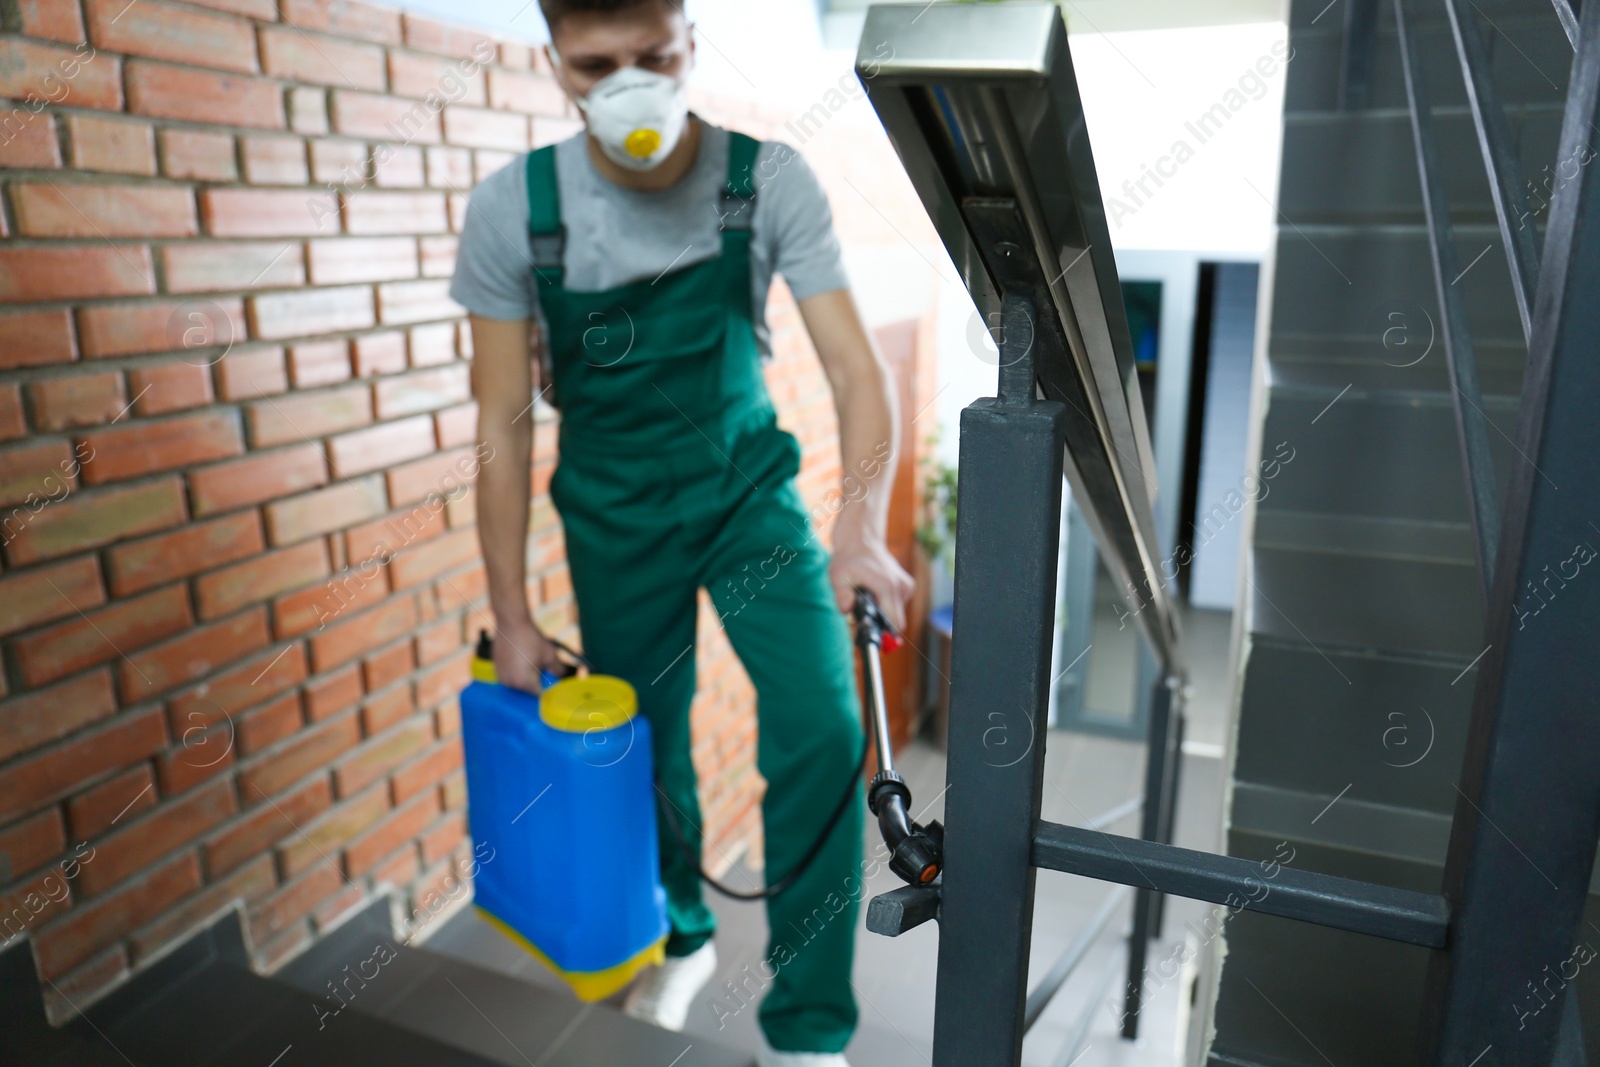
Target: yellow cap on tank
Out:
[588,702]
[642,143]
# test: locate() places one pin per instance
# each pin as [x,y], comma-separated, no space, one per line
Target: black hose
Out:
[773,889]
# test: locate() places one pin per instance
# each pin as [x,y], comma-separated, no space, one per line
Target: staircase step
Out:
[1350,281]
[1361,535]
[1299,995]
[1529,57]
[1318,14]
[495,1016]
[359,996]
[1406,361]
[1328,176]
[202,1006]
[1375,455]
[1382,732]
[25,1035]
[1331,601]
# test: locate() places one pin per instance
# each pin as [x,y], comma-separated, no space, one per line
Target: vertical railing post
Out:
[1007,535]
[1169,809]
[1157,772]
[1527,816]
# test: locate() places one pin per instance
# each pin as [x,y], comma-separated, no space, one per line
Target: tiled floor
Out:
[894,977]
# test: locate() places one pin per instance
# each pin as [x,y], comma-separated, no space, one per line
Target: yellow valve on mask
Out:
[642,143]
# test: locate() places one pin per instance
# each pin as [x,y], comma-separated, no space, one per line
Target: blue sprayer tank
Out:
[560,787]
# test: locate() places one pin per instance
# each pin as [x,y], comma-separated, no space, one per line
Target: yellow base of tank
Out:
[588,985]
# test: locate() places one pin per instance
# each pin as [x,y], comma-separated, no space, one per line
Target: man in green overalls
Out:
[632,261]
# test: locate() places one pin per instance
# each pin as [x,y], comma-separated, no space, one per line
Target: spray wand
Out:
[916,852]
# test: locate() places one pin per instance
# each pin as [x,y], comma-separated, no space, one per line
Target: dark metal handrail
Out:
[1018,206]
[1467,394]
[1356,62]
[1517,229]
[1569,21]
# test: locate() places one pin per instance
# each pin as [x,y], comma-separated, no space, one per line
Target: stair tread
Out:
[1332,600]
[359,996]
[1365,535]
[25,1035]
[1373,379]
[502,1018]
[1327,180]
[208,1012]
[1376,457]
[1346,280]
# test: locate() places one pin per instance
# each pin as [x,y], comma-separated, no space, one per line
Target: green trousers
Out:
[738,529]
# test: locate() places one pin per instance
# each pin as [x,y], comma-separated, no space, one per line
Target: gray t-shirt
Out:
[616,235]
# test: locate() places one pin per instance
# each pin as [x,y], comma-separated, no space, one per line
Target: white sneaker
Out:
[771,1057]
[662,995]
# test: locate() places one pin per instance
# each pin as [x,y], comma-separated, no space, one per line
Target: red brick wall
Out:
[239,569]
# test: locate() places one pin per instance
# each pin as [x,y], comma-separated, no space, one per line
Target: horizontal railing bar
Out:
[1080,1029]
[1116,814]
[1051,983]
[1569,20]
[1324,899]
[893,913]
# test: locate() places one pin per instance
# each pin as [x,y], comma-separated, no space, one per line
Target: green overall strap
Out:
[737,212]
[739,196]
[547,236]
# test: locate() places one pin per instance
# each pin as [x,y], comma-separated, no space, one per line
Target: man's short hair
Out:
[555,10]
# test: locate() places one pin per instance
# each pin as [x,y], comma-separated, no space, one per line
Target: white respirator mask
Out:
[636,115]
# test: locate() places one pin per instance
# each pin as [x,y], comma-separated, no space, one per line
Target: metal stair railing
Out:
[1519,731]
[1466,394]
[982,106]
